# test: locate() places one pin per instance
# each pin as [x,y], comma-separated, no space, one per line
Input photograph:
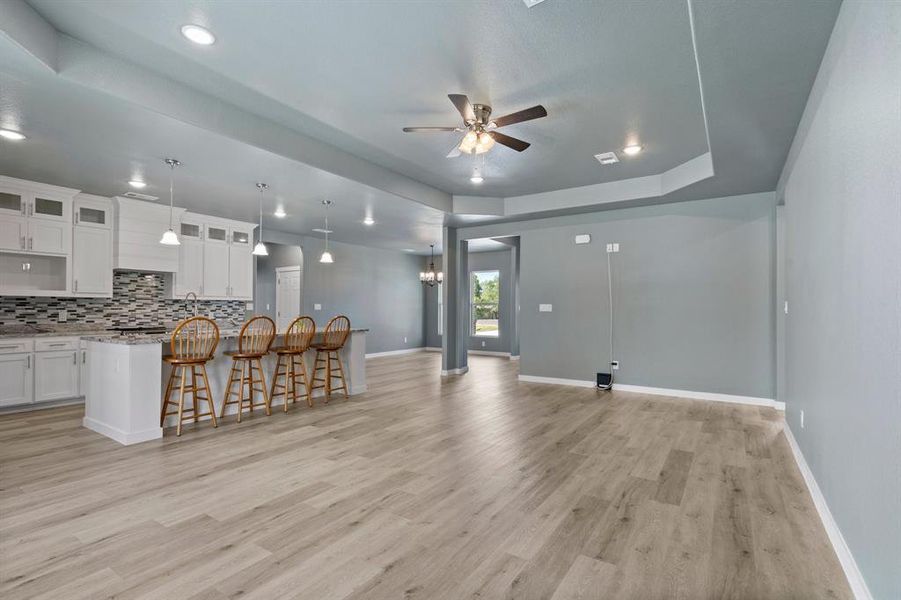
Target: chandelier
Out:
[431,277]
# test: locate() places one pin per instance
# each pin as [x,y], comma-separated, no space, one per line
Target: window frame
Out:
[472,304]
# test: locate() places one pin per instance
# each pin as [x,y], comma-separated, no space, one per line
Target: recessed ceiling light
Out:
[198,35]
[409,250]
[368,221]
[11,135]
[137,184]
[632,149]
[607,158]
[280,213]
[476,178]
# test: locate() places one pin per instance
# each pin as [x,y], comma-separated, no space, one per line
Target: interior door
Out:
[92,261]
[287,296]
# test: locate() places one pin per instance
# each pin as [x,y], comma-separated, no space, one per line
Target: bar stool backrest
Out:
[336,332]
[300,334]
[256,335]
[195,339]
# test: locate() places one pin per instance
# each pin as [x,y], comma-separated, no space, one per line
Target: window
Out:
[484,289]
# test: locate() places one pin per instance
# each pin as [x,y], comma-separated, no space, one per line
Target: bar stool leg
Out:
[181,401]
[274,384]
[262,375]
[241,394]
[196,410]
[289,380]
[208,394]
[166,397]
[341,375]
[306,380]
[228,390]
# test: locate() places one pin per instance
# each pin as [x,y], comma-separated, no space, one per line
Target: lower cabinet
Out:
[44,370]
[15,379]
[56,375]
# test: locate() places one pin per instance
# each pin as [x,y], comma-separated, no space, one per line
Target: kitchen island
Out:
[126,379]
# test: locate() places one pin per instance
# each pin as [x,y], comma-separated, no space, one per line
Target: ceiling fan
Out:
[481,129]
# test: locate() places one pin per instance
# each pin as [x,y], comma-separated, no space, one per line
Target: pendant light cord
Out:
[171,191]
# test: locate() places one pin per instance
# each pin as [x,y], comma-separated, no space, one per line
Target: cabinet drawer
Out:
[11,346]
[52,344]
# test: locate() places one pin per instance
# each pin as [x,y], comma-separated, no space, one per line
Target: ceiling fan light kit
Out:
[480,128]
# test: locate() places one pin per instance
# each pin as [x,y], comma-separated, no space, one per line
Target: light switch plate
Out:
[63,316]
[545,308]
[249,306]
[317,307]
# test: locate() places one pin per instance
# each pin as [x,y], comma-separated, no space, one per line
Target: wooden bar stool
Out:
[193,343]
[298,337]
[253,344]
[333,340]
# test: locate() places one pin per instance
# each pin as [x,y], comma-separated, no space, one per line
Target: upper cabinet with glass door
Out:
[12,203]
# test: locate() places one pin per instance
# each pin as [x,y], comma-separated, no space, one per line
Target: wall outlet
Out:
[267,306]
[317,307]
[785,307]
[614,364]
[802,419]
[62,316]
[405,339]
[545,308]
[583,238]
[612,248]
[249,306]
[483,344]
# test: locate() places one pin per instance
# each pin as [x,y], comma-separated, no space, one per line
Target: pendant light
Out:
[431,277]
[260,248]
[326,255]
[169,238]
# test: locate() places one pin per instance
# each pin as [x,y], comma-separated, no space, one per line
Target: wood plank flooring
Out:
[468,487]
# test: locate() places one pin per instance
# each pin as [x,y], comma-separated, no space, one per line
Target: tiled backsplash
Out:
[138,299]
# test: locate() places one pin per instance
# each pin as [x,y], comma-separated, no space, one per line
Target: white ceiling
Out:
[351,74]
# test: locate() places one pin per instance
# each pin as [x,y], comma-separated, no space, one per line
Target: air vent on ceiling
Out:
[138,196]
[531,3]
[607,158]
[318,230]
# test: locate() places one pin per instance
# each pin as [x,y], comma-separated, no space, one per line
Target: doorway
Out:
[287,295]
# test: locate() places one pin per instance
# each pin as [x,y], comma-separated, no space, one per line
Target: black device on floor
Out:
[605,381]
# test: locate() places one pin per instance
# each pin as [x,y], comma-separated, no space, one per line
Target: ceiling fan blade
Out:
[510,142]
[455,151]
[536,112]
[429,129]
[464,107]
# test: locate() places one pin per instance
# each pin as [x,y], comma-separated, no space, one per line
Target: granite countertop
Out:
[101,333]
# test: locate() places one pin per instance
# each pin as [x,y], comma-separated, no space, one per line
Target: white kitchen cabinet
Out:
[49,236]
[16,379]
[83,379]
[189,277]
[13,232]
[12,202]
[92,262]
[57,375]
[215,269]
[240,273]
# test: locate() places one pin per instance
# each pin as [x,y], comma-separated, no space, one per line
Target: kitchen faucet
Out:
[188,295]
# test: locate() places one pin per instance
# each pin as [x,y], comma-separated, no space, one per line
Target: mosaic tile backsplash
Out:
[138,299]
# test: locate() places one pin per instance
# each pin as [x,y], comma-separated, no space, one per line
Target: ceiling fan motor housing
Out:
[482,113]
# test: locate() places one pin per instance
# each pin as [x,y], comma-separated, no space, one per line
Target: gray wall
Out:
[280,255]
[501,260]
[842,190]
[376,288]
[694,288]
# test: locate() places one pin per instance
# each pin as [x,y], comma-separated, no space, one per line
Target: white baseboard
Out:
[40,406]
[488,353]
[396,352]
[639,389]
[556,381]
[124,438]
[514,357]
[713,397]
[432,348]
[849,565]
[459,371]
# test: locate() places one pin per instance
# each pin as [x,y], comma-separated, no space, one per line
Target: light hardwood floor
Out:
[469,487]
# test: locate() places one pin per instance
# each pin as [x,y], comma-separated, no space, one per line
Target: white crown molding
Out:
[849,565]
